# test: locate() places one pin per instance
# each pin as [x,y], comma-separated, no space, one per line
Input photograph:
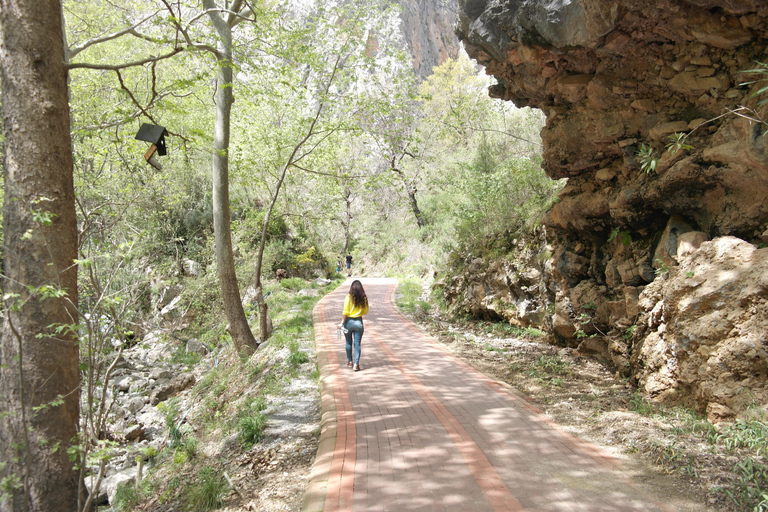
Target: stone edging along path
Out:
[419,429]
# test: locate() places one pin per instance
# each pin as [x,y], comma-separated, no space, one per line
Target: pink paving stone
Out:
[423,430]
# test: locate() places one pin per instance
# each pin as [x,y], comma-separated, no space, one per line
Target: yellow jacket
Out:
[352,311]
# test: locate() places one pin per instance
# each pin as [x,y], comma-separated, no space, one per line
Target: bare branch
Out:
[116,67]
[71,52]
[330,174]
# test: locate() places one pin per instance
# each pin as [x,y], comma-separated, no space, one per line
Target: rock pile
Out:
[144,376]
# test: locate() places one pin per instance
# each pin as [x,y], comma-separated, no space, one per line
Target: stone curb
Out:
[314,497]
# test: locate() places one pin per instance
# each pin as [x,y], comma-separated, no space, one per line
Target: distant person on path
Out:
[338,265]
[355,306]
[349,265]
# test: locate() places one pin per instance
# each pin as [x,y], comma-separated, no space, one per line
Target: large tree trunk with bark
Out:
[39,366]
[237,326]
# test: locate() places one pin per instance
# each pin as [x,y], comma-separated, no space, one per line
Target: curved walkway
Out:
[420,430]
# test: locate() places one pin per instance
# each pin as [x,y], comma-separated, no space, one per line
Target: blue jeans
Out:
[354,334]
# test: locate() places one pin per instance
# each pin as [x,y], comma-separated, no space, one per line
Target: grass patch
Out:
[128,495]
[252,422]
[549,370]
[409,291]
[641,405]
[749,490]
[505,330]
[207,492]
[749,434]
[296,357]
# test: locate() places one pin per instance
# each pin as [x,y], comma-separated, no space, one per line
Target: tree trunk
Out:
[39,368]
[411,191]
[346,222]
[414,205]
[237,326]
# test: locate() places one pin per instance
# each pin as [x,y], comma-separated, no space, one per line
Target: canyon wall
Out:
[427,28]
[652,259]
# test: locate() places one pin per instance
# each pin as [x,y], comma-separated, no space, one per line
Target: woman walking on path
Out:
[355,306]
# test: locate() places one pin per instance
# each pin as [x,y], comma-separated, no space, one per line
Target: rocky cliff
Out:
[652,259]
[428,29]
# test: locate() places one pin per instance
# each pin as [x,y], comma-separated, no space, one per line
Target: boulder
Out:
[707,329]
[610,76]
[178,384]
[191,268]
[110,484]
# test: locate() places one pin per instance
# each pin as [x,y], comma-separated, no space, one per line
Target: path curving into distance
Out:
[420,430]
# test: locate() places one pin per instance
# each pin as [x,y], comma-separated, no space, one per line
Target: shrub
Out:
[208,491]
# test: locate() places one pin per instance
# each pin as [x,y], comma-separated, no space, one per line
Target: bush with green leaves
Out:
[502,201]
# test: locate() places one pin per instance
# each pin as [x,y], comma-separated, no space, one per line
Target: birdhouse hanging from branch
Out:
[156,136]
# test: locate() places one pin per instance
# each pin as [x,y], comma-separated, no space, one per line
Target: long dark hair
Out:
[359,299]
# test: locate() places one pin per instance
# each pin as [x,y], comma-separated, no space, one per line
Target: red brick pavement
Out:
[420,430]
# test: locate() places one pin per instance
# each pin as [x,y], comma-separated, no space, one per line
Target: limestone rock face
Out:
[610,76]
[427,28]
[505,289]
[702,329]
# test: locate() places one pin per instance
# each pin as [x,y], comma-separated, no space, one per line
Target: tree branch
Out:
[71,52]
[116,67]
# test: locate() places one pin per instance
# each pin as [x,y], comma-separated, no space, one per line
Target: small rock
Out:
[191,268]
[197,346]
[160,373]
[134,433]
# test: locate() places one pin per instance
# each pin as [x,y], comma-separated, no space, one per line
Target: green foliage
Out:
[501,202]
[677,143]
[624,236]
[409,291]
[296,284]
[647,159]
[639,404]
[749,490]
[296,357]
[251,422]
[662,268]
[127,497]
[549,370]
[208,490]
[552,365]
[761,70]
[751,434]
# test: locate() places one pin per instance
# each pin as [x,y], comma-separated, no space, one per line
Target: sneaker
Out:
[357,367]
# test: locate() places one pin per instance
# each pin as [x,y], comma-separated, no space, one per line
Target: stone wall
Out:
[613,77]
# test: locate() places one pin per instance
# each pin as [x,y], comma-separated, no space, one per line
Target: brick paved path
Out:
[420,430]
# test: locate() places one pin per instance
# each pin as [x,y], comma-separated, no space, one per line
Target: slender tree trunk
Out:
[39,369]
[411,191]
[237,326]
[346,222]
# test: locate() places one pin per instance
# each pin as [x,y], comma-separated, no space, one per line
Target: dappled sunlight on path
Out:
[418,429]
